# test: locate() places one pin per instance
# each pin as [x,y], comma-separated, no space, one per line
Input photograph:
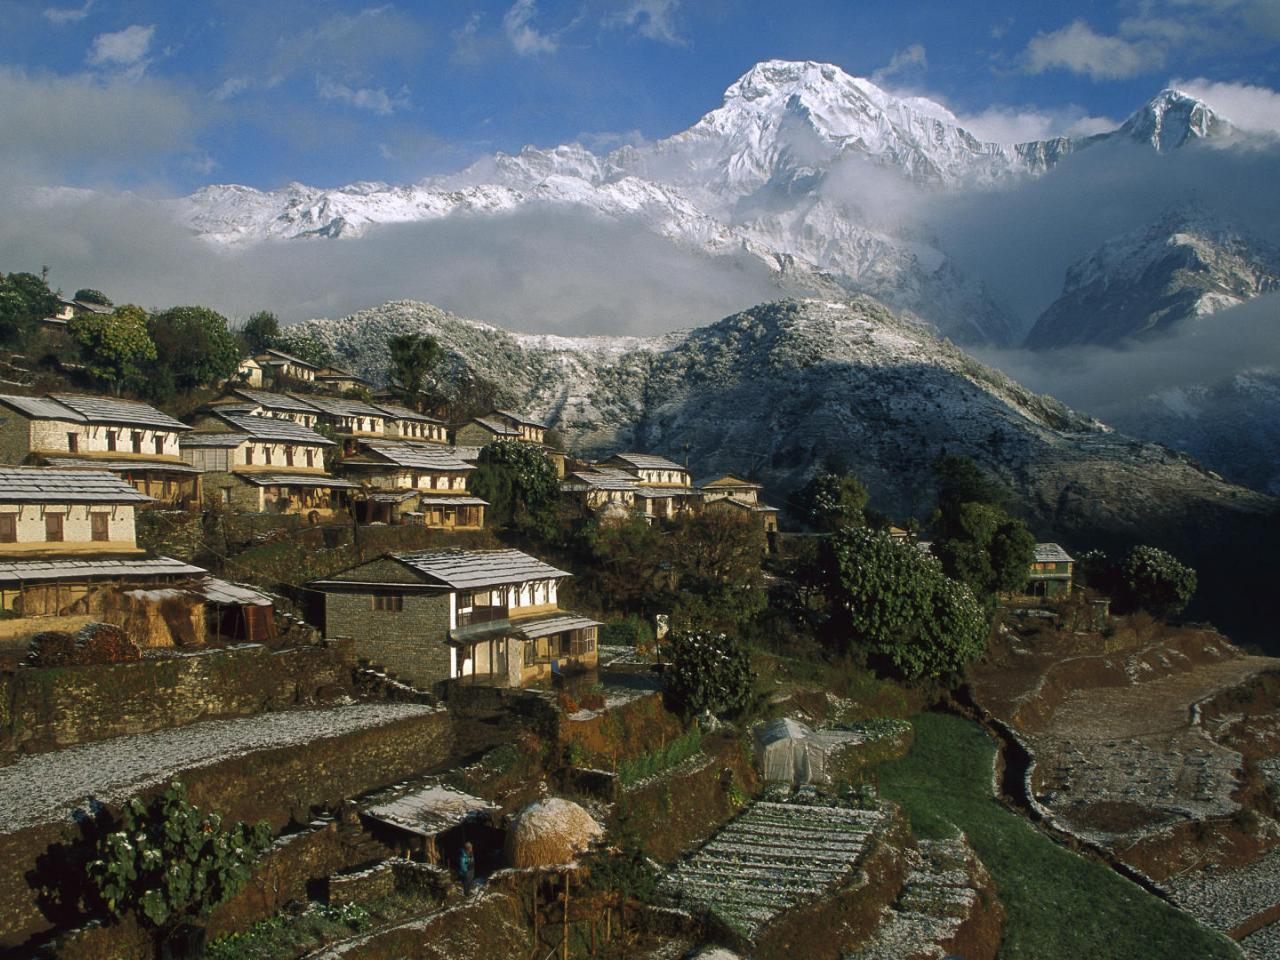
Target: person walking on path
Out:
[467,867]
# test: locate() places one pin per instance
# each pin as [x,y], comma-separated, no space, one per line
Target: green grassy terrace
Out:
[1058,904]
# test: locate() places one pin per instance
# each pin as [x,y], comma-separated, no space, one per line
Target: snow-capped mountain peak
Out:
[1173,118]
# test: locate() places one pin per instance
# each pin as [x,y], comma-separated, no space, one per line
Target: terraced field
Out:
[773,857]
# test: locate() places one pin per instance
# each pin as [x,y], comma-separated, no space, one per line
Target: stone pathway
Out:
[51,786]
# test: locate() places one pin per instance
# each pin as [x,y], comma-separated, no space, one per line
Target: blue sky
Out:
[169,96]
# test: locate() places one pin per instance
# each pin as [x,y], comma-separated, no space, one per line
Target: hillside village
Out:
[407,678]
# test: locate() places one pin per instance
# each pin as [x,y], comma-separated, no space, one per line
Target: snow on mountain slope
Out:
[1185,265]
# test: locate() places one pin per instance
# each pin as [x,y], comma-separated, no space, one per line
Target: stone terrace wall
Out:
[283,786]
[48,708]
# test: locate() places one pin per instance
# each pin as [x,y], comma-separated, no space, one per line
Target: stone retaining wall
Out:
[48,708]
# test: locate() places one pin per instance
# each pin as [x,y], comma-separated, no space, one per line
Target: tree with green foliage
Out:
[715,560]
[169,862]
[897,605]
[24,299]
[962,481]
[194,349]
[307,348]
[90,295]
[987,550]
[520,484]
[629,561]
[1156,581]
[116,347]
[707,672]
[261,331]
[1096,570]
[413,357]
[831,501]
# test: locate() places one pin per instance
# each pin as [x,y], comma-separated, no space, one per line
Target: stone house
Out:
[338,381]
[416,481]
[595,489]
[264,403]
[281,367]
[64,534]
[132,440]
[351,420]
[652,470]
[487,616]
[260,464]
[734,493]
[1051,572]
[480,431]
[405,424]
[68,309]
[528,429]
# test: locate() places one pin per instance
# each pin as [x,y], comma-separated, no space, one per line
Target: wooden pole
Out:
[565,947]
[535,913]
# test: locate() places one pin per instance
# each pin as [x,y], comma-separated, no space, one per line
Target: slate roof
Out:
[496,426]
[281,355]
[395,411]
[41,408]
[600,481]
[463,569]
[275,401]
[522,419]
[728,481]
[113,410]
[1052,553]
[341,407]
[448,500]
[418,456]
[37,485]
[648,461]
[213,439]
[30,571]
[119,466]
[296,480]
[546,626]
[217,590]
[275,428]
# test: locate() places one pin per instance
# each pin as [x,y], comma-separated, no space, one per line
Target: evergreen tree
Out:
[261,331]
[831,501]
[116,347]
[194,349]
[413,357]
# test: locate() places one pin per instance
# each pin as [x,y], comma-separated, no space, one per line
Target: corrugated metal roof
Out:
[396,412]
[218,590]
[275,401]
[41,408]
[119,466]
[113,410]
[417,456]
[462,569]
[647,461]
[297,480]
[31,571]
[546,626]
[213,439]
[39,485]
[1052,553]
[275,428]
[340,407]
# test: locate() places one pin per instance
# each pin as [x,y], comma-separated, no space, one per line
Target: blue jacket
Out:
[466,863]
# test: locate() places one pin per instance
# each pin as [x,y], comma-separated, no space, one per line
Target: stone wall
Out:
[53,707]
[408,643]
[283,786]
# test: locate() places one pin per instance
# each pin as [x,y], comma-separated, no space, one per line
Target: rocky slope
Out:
[1184,266]
[774,391]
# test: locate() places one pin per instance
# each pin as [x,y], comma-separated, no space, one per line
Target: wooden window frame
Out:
[387,602]
[55,523]
[99,523]
[8,528]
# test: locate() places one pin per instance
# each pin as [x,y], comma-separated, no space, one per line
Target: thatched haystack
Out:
[550,832]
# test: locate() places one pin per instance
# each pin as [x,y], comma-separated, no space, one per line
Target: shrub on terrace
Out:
[707,672]
[1156,581]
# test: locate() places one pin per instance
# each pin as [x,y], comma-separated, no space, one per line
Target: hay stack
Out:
[550,832]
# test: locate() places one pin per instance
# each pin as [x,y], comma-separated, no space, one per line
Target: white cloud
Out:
[1003,124]
[1252,108]
[1078,48]
[908,58]
[655,19]
[61,15]
[467,44]
[374,99]
[525,39]
[124,48]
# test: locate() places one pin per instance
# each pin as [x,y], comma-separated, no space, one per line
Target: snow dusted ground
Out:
[1224,899]
[50,786]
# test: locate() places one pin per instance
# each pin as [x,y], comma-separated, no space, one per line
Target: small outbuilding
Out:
[787,751]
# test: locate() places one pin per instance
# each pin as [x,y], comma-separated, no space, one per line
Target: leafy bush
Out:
[168,861]
[632,632]
[707,672]
[898,605]
[832,500]
[664,758]
[90,295]
[1156,581]
[520,483]
[194,349]
[116,347]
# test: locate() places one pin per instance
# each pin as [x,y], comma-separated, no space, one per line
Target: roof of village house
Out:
[1052,553]
[99,308]
[728,481]
[275,401]
[213,439]
[29,571]
[648,461]
[430,499]
[417,456]
[41,408]
[337,373]
[280,355]
[665,493]
[496,426]
[283,478]
[41,485]
[397,412]
[342,407]
[429,810]
[558,623]
[121,465]
[274,428]
[523,420]
[470,454]
[217,590]
[113,410]
[743,505]
[461,569]
[389,496]
[600,480]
